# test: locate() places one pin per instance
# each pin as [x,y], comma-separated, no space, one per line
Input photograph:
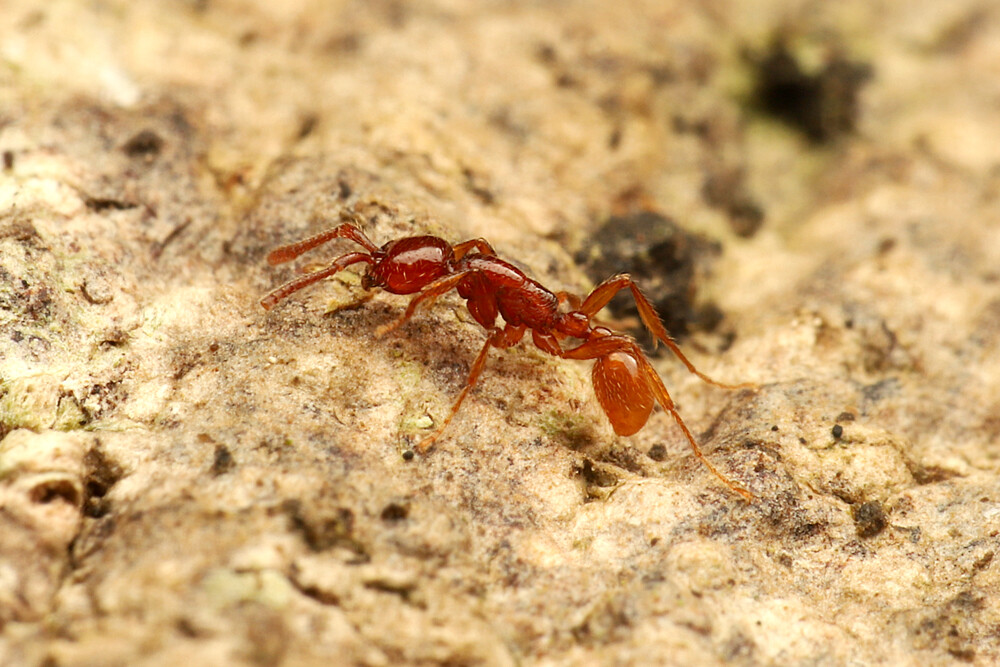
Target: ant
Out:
[625,382]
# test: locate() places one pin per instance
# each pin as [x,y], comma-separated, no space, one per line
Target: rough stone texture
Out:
[186,479]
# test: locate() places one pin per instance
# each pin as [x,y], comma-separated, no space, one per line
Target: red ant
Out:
[626,384]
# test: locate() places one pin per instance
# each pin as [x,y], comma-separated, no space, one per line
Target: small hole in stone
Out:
[55,489]
[395,512]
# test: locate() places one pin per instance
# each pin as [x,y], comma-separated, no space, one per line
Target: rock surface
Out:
[186,479]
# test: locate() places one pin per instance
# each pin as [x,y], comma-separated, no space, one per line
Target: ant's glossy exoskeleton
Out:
[626,384]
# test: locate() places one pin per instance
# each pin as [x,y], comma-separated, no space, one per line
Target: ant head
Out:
[408,265]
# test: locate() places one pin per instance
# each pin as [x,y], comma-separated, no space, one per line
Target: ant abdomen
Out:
[623,392]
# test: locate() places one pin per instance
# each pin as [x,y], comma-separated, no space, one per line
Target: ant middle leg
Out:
[338,265]
[499,338]
[603,294]
[432,292]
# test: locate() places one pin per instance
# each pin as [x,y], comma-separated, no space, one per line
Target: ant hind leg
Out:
[603,294]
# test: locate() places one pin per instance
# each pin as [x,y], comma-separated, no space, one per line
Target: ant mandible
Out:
[626,384]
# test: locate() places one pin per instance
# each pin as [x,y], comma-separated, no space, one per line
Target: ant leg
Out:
[663,397]
[603,293]
[501,339]
[547,343]
[603,347]
[432,291]
[287,253]
[573,300]
[295,285]
[480,245]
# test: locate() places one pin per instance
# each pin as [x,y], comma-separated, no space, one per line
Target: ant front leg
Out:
[603,294]
[482,246]
[501,339]
[338,265]
[627,387]
[573,300]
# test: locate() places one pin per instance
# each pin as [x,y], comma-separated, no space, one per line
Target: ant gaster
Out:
[626,384]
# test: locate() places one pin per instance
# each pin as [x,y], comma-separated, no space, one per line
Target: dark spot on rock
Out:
[346,43]
[407,455]
[187,628]
[566,80]
[726,190]
[38,302]
[657,452]
[595,476]
[22,231]
[953,626]
[114,337]
[96,290]
[982,562]
[607,622]
[52,490]
[615,138]
[100,399]
[323,528]
[869,518]
[846,417]
[100,474]
[101,204]
[929,474]
[807,529]
[343,188]
[968,601]
[146,144]
[222,461]
[307,125]
[402,589]
[874,393]
[739,648]
[476,184]
[8,160]
[184,361]
[664,259]
[546,53]
[822,105]
[837,431]
[395,512]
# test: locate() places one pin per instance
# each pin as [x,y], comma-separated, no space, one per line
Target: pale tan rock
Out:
[186,479]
